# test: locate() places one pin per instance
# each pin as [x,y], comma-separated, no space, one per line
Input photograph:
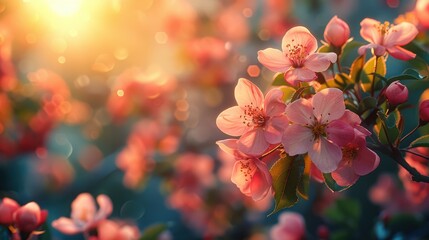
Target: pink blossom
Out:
[337,32]
[422,12]
[258,121]
[7,208]
[29,217]
[291,226]
[424,110]
[111,230]
[297,59]
[396,93]
[387,37]
[249,174]
[316,128]
[84,215]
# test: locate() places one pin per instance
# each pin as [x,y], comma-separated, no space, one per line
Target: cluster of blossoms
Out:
[22,222]
[306,118]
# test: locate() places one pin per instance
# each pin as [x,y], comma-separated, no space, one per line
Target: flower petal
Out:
[230,122]
[299,36]
[228,145]
[378,49]
[400,35]
[247,93]
[401,53]
[369,30]
[274,104]
[365,162]
[274,59]
[253,142]
[274,129]
[67,226]
[340,132]
[325,155]
[297,139]
[242,179]
[300,112]
[106,207]
[344,175]
[83,205]
[261,181]
[319,62]
[328,105]
[296,75]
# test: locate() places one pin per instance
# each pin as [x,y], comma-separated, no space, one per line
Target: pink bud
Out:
[7,208]
[29,217]
[422,12]
[337,32]
[396,93]
[424,110]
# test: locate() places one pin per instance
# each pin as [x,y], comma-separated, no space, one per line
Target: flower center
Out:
[296,54]
[318,130]
[246,169]
[350,152]
[384,28]
[253,116]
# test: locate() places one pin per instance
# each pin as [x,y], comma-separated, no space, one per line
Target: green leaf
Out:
[367,103]
[421,66]
[304,183]
[332,184]
[408,74]
[298,93]
[153,232]
[345,212]
[288,93]
[356,68]
[324,49]
[286,173]
[367,75]
[389,134]
[350,47]
[279,80]
[420,142]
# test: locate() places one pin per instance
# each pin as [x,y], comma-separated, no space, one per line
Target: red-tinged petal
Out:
[83,207]
[291,226]
[7,208]
[351,118]
[319,62]
[274,59]
[107,230]
[378,49]
[296,75]
[365,162]
[300,112]
[299,36]
[230,122]
[242,173]
[228,145]
[253,142]
[67,226]
[340,132]
[328,105]
[27,217]
[247,93]
[369,30]
[400,35]
[261,181]
[325,155]
[297,139]
[345,176]
[274,129]
[401,53]
[43,217]
[316,174]
[106,207]
[274,104]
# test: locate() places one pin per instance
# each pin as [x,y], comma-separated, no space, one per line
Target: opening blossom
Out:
[298,58]
[317,130]
[386,37]
[260,122]
[84,215]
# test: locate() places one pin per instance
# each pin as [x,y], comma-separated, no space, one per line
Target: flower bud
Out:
[7,208]
[396,93]
[337,32]
[424,110]
[29,217]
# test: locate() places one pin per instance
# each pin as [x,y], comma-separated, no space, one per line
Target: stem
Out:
[374,76]
[338,64]
[411,132]
[414,153]
[415,175]
[271,151]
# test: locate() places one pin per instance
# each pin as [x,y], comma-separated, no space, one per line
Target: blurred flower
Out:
[422,13]
[424,110]
[297,59]
[317,129]
[7,208]
[387,37]
[111,230]
[396,93]
[258,121]
[291,226]
[337,32]
[29,217]
[84,216]
[56,170]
